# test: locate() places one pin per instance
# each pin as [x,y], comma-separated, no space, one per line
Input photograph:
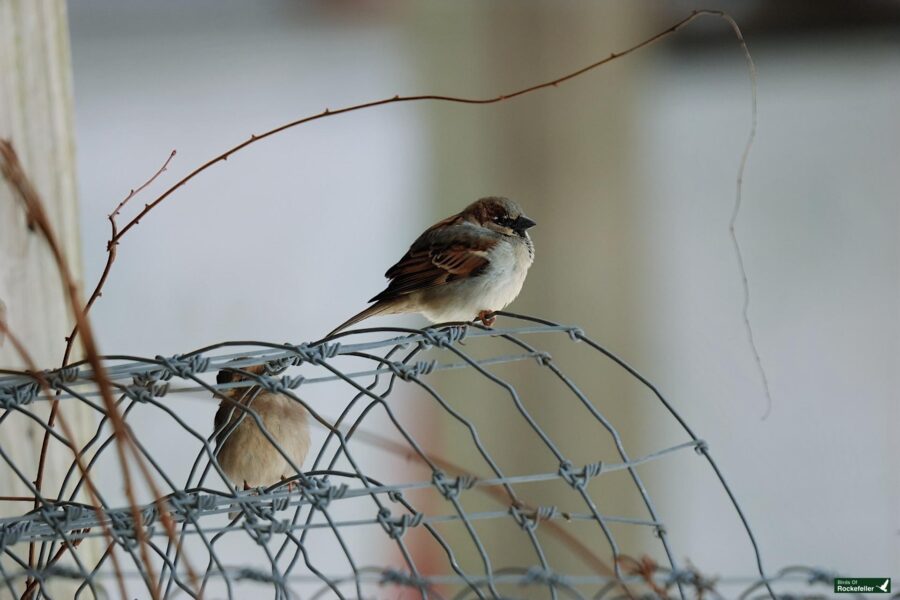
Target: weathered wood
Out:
[36,113]
[564,155]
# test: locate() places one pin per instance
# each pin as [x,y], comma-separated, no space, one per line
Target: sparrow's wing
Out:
[443,254]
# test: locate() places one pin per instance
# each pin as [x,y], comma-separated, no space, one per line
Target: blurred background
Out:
[630,172]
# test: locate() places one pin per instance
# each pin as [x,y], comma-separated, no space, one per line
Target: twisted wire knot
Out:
[402,578]
[57,378]
[255,510]
[10,533]
[451,488]
[62,516]
[12,396]
[442,338]
[185,503]
[396,527]
[279,526]
[280,503]
[319,492]
[277,365]
[682,576]
[408,372]
[530,519]
[536,574]
[138,394]
[147,378]
[146,392]
[575,333]
[279,386]
[262,530]
[124,529]
[249,574]
[580,478]
[304,353]
[182,367]
[701,447]
[543,358]
[149,514]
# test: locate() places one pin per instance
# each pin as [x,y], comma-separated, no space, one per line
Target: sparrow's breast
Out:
[492,290]
[510,261]
[248,455]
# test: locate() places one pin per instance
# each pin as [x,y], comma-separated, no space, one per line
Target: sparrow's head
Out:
[499,214]
[228,375]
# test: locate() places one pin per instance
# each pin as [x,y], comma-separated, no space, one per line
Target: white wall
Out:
[318,213]
[819,477]
[283,241]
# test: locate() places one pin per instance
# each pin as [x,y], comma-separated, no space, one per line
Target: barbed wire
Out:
[279,519]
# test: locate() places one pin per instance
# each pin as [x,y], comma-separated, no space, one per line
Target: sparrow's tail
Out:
[376,309]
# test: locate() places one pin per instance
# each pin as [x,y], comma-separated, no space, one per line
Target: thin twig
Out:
[38,219]
[70,339]
[12,170]
[646,568]
[509,96]
[418,98]
[31,583]
[111,246]
[738,197]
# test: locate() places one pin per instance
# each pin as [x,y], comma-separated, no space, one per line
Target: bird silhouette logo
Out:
[884,587]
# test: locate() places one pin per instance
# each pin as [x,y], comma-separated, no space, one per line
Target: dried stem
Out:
[735,212]
[37,219]
[70,339]
[12,170]
[419,98]
[31,583]
[646,568]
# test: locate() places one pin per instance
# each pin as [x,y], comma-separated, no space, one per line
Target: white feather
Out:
[493,290]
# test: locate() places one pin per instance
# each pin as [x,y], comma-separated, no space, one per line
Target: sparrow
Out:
[243,452]
[462,268]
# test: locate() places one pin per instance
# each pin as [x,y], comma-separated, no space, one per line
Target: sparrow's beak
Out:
[523,223]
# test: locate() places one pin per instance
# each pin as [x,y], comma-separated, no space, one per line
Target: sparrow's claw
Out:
[487,317]
[291,485]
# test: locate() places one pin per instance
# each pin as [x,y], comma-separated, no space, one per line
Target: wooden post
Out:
[564,154]
[36,114]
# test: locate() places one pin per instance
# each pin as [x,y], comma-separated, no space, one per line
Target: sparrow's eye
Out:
[503,220]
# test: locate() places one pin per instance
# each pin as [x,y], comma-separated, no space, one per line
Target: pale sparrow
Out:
[245,454]
[464,267]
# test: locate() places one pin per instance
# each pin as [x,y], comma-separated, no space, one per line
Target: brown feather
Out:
[452,249]
[438,257]
[373,310]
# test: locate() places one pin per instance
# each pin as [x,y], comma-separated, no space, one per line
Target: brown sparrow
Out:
[246,456]
[464,267]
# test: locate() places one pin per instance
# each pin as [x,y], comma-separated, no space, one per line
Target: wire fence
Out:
[308,528]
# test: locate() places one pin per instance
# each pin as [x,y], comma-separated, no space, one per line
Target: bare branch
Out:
[12,170]
[418,98]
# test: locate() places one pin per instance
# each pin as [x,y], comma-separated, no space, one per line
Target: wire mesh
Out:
[347,523]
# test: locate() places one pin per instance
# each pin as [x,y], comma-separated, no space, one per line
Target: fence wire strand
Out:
[281,519]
